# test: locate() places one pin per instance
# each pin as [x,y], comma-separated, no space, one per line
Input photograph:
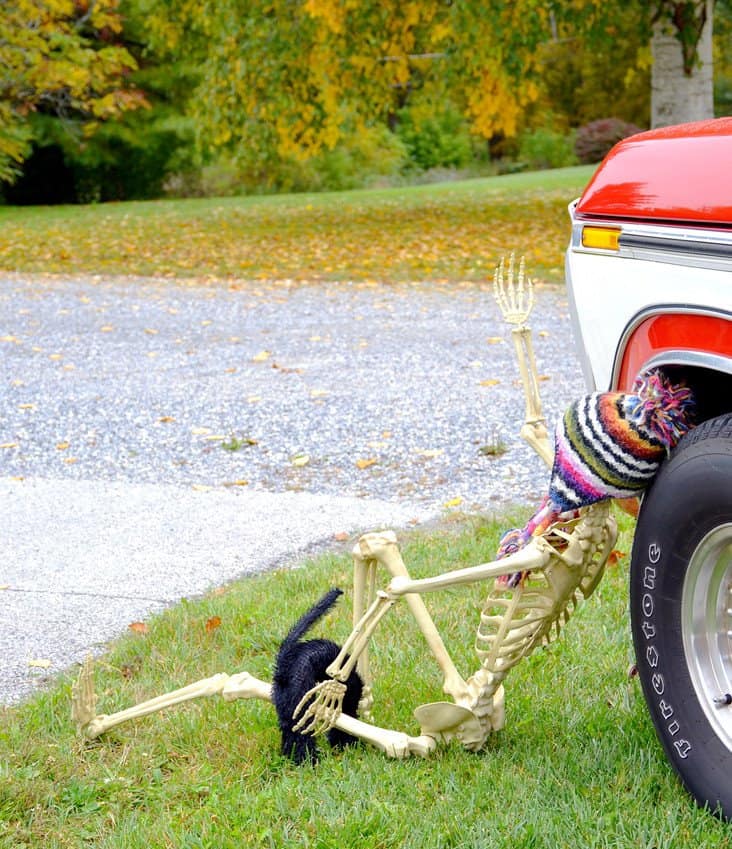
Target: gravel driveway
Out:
[157,439]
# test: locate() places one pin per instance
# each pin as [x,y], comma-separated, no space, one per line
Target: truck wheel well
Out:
[712,389]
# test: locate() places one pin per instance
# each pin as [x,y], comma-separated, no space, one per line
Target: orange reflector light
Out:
[606,238]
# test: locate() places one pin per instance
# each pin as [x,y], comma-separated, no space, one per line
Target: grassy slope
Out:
[448,231]
[577,765]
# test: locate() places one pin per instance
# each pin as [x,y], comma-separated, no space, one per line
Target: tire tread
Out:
[717,428]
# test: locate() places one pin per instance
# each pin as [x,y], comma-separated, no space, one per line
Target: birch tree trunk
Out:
[677,96]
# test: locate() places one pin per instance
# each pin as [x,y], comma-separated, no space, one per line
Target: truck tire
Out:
[681,610]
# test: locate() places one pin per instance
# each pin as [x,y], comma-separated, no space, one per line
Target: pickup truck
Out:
[649,274]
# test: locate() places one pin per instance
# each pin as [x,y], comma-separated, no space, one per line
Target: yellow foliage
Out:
[46,57]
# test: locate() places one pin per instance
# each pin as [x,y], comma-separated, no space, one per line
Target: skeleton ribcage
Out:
[514,621]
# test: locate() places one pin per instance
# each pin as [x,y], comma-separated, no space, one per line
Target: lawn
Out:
[577,764]
[449,231]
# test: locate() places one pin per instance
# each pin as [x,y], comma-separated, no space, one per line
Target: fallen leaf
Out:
[286,369]
[40,663]
[200,431]
[106,328]
[261,356]
[212,624]
[615,557]
[62,446]
[631,505]
[454,502]
[201,487]
[151,331]
[70,460]
[166,419]
[9,445]
[494,340]
[364,463]
[26,406]
[544,333]
[254,399]
[491,381]
[342,536]
[544,377]
[138,627]
[55,356]
[240,482]
[215,437]
[430,452]
[4,586]
[318,393]
[300,459]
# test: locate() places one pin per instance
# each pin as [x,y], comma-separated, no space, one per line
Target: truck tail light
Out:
[605,238]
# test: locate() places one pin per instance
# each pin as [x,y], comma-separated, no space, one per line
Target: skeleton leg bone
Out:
[364,593]
[382,547]
[239,686]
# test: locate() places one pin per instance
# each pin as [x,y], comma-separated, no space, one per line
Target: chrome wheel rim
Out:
[706,627]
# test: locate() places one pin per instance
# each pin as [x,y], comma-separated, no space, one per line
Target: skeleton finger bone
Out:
[322,705]
[515,299]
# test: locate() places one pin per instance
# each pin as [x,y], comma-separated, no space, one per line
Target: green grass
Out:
[444,232]
[578,764]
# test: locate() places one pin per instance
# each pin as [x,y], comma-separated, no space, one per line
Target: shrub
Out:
[594,140]
[545,148]
[364,158]
[438,141]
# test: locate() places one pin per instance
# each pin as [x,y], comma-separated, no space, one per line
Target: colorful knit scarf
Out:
[609,445]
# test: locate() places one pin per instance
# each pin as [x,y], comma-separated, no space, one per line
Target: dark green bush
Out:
[595,140]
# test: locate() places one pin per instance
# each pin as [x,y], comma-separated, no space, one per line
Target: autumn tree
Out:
[294,76]
[59,57]
[291,77]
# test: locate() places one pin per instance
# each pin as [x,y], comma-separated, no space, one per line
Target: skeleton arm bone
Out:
[531,557]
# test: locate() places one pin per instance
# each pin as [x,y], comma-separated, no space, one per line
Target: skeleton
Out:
[560,567]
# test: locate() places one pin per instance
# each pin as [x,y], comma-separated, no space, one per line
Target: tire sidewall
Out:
[690,496]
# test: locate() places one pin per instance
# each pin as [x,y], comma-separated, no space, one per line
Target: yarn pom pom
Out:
[663,407]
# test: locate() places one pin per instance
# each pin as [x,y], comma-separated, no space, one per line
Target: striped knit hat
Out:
[609,445]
